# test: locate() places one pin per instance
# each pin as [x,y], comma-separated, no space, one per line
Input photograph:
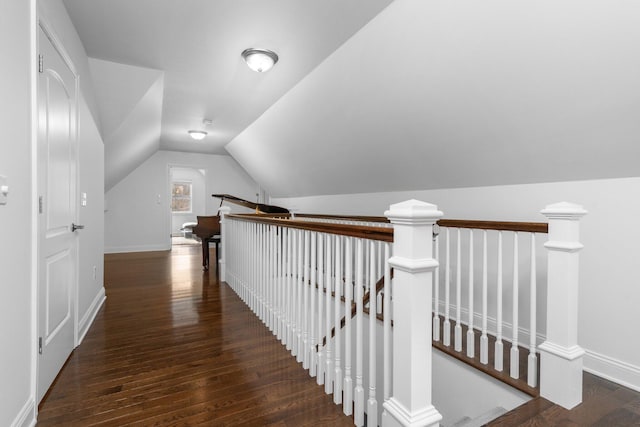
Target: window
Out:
[181,197]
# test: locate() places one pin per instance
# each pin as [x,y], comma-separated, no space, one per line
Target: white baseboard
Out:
[90,315]
[612,369]
[27,415]
[142,248]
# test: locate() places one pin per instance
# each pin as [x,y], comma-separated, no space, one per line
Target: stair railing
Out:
[304,275]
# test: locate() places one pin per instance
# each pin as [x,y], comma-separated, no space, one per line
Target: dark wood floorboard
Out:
[174,347]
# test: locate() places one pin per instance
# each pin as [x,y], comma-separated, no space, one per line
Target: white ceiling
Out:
[197,44]
[373,95]
[460,93]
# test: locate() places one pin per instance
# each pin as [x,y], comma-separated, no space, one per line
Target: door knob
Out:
[75,227]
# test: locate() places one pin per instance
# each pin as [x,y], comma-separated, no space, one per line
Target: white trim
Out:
[619,372]
[27,415]
[90,315]
[142,248]
[34,215]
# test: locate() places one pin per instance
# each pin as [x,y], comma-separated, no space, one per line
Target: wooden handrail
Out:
[345,217]
[531,227]
[384,234]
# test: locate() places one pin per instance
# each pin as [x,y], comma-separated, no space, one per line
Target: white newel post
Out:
[223,212]
[414,265]
[561,356]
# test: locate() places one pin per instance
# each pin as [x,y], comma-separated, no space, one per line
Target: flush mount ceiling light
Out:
[260,60]
[197,134]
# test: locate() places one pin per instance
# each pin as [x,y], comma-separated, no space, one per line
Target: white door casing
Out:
[56,182]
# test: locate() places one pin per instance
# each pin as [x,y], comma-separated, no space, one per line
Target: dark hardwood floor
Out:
[174,347]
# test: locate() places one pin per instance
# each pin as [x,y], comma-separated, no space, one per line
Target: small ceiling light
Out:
[197,134]
[260,60]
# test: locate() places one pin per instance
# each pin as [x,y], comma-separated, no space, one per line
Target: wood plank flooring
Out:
[173,346]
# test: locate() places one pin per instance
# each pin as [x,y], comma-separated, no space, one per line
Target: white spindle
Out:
[299,287]
[499,352]
[515,353]
[305,309]
[436,292]
[337,376]
[281,275]
[387,324]
[372,403]
[458,328]
[532,362]
[484,339]
[320,358]
[470,333]
[446,326]
[312,346]
[287,292]
[328,371]
[359,390]
[347,400]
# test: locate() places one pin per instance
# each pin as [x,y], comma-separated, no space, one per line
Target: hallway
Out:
[172,346]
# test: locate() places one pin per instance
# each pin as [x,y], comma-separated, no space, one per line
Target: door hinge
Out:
[40,345]
[40,204]
[40,63]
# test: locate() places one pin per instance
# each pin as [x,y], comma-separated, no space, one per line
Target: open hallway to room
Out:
[174,346]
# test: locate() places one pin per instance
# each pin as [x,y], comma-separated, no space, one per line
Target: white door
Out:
[57,243]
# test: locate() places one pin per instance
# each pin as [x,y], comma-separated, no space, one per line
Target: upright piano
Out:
[208,227]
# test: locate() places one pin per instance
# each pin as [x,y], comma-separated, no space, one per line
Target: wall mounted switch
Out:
[83,199]
[4,190]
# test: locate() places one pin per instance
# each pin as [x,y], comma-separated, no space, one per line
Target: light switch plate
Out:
[83,199]
[4,190]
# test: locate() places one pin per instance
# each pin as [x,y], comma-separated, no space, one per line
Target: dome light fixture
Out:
[260,60]
[197,134]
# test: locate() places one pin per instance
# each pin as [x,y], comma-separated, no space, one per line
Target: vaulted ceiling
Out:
[381,96]
[191,51]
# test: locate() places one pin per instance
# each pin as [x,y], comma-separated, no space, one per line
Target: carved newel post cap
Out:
[564,210]
[413,211]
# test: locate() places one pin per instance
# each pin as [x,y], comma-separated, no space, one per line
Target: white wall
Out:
[610,280]
[91,291]
[17,399]
[138,210]
[198,196]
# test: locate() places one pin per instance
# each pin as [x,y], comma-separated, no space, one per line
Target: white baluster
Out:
[281,278]
[499,348]
[387,323]
[532,361]
[470,333]
[289,291]
[446,326]
[484,339]
[299,287]
[358,397]
[312,310]
[347,400]
[337,375]
[321,361]
[436,292]
[372,403]
[515,352]
[328,371]
[458,328]
[305,310]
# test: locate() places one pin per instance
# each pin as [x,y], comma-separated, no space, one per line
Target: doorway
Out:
[57,191]
[187,190]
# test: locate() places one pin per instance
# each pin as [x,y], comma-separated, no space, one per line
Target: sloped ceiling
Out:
[197,45]
[443,94]
[130,105]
